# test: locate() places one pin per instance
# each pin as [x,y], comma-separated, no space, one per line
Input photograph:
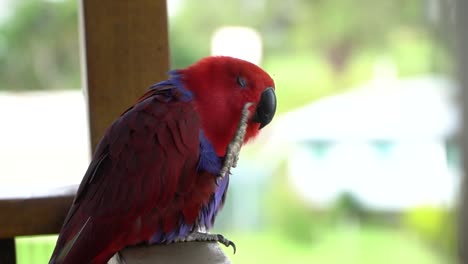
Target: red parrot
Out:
[161,171]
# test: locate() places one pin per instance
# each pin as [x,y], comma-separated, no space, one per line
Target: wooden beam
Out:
[125,51]
[33,216]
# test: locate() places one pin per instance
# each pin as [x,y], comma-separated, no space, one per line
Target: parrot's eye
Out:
[241,81]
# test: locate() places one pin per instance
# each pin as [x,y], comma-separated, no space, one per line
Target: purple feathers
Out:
[211,163]
[208,161]
[176,82]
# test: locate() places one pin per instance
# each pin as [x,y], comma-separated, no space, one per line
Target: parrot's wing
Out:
[147,156]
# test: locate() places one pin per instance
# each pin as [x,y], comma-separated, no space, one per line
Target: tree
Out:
[39,46]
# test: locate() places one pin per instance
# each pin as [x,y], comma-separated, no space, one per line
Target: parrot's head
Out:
[221,86]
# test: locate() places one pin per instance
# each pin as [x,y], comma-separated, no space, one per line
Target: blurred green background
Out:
[313,49]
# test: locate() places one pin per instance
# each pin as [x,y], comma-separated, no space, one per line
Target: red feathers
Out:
[144,166]
[219,98]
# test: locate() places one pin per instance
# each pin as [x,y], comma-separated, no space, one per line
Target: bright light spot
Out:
[239,42]
[5,10]
[173,7]
[385,73]
[54,144]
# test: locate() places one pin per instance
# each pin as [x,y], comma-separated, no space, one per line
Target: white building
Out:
[389,145]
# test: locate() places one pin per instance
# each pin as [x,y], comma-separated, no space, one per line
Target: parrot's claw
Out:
[233,149]
[199,236]
[226,242]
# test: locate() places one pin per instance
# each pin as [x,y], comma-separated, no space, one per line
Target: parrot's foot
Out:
[199,236]
[233,149]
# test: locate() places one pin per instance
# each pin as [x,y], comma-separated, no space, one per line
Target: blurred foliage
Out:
[347,208]
[288,215]
[312,48]
[39,46]
[318,48]
[435,226]
[303,224]
[300,233]
[335,28]
[337,246]
[299,221]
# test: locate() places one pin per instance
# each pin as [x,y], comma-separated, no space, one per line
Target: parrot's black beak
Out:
[266,108]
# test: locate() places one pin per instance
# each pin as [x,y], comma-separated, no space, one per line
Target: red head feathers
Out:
[221,86]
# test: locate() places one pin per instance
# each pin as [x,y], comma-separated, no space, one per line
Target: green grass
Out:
[367,245]
[34,250]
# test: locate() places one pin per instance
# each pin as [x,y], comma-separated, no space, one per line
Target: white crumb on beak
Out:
[233,149]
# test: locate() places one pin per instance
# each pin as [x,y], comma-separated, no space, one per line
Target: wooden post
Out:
[125,51]
[7,251]
[462,56]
